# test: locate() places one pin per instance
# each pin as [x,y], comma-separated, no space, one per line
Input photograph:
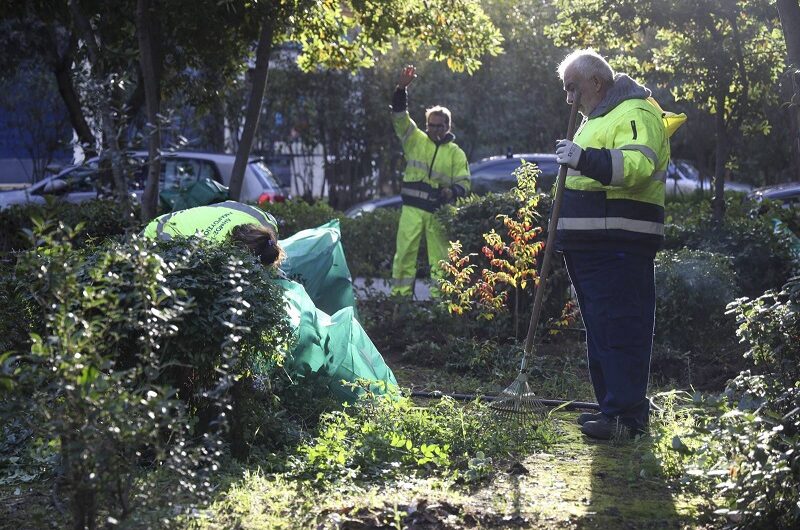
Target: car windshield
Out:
[688,170]
[264,175]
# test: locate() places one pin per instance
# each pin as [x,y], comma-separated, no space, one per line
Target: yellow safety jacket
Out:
[628,213]
[214,221]
[430,166]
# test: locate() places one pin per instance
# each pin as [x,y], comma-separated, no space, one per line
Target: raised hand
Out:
[407,75]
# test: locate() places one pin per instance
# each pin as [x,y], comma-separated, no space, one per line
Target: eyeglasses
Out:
[437,125]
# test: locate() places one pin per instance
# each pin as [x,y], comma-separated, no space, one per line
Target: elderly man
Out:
[436,173]
[610,227]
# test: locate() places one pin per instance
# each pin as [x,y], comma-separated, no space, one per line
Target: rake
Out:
[518,401]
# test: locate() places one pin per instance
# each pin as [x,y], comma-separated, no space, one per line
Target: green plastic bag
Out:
[335,346]
[315,258]
[199,193]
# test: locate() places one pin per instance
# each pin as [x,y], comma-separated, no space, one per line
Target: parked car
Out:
[357,210]
[684,178]
[787,193]
[178,169]
[496,173]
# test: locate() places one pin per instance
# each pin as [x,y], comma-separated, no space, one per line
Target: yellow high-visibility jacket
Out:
[627,214]
[430,166]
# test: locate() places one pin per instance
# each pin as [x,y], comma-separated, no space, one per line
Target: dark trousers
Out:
[616,294]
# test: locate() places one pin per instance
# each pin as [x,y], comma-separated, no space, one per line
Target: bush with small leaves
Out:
[100,219]
[761,258]
[148,356]
[296,214]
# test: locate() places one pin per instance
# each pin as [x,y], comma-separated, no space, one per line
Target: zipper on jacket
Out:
[430,169]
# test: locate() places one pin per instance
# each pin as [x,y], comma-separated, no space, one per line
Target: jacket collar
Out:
[446,139]
[624,88]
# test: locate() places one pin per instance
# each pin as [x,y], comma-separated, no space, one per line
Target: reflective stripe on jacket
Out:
[429,166]
[628,214]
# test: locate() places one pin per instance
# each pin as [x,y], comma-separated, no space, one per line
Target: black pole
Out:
[568,405]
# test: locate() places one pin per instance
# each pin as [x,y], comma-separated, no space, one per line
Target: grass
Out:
[554,478]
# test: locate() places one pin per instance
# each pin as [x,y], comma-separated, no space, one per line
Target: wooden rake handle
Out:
[551,238]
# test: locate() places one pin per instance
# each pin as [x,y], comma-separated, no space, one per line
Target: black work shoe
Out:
[589,416]
[606,428]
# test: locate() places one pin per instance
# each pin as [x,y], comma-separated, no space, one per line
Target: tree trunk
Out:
[61,68]
[215,134]
[152,93]
[718,190]
[110,125]
[789,11]
[259,85]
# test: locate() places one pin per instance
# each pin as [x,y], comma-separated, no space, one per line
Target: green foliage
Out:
[760,258]
[369,241]
[148,357]
[18,312]
[100,219]
[694,287]
[746,447]
[297,214]
[770,326]
[350,34]
[68,390]
[749,454]
[389,435]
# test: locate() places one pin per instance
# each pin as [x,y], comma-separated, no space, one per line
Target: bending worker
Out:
[436,173]
[610,227]
[333,345]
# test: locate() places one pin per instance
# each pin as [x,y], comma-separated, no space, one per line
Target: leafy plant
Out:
[150,357]
[381,437]
[105,420]
[761,258]
[512,265]
[100,219]
[296,214]
[770,326]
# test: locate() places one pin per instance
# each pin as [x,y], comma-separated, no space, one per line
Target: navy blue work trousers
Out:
[616,294]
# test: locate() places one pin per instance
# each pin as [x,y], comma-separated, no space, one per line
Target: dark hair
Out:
[261,241]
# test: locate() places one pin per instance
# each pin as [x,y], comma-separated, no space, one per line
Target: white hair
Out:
[588,63]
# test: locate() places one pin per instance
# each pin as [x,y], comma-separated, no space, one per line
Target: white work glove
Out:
[568,153]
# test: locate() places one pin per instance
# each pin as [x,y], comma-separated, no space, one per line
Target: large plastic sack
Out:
[200,193]
[334,346]
[315,258]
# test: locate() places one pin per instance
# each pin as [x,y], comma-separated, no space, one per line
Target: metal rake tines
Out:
[518,400]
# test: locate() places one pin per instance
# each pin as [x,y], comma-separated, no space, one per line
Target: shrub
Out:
[129,328]
[750,453]
[693,290]
[67,389]
[296,214]
[19,316]
[762,259]
[770,326]
[369,243]
[100,219]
